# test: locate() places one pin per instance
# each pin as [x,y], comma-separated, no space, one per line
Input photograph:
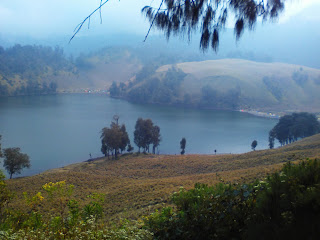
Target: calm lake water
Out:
[58,130]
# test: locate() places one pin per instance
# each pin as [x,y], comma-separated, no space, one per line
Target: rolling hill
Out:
[230,84]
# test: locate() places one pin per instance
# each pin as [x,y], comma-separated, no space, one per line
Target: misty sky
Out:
[45,18]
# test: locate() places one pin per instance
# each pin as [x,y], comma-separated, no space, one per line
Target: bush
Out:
[289,204]
[285,205]
[204,212]
[64,221]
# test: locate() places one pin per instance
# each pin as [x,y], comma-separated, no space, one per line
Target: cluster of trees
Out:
[274,86]
[36,88]
[300,77]
[212,98]
[148,87]
[115,139]
[292,127]
[14,160]
[31,61]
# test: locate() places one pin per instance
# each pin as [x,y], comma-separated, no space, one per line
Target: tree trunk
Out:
[10,175]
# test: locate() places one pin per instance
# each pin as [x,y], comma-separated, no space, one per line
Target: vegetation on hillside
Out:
[65,219]
[284,205]
[224,84]
[168,89]
[30,70]
[137,184]
[34,70]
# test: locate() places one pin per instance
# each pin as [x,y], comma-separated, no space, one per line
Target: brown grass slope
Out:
[137,184]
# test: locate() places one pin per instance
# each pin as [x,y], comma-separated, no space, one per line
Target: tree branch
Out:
[79,26]
[153,21]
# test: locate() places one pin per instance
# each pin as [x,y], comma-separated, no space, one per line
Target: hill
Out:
[137,184]
[228,84]
[28,70]
[33,70]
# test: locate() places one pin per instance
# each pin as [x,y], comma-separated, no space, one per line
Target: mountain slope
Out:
[231,84]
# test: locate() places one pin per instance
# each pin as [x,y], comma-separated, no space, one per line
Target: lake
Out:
[57,130]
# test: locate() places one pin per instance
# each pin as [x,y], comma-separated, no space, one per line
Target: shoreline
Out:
[261,114]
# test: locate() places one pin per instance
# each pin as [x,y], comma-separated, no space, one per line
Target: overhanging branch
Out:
[79,26]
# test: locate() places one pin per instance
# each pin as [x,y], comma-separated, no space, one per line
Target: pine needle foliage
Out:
[209,17]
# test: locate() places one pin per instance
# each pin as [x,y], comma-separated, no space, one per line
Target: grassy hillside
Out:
[99,69]
[232,84]
[138,184]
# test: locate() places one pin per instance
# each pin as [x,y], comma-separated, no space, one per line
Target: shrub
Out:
[284,206]
[204,212]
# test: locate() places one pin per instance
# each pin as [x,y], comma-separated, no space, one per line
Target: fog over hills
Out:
[294,41]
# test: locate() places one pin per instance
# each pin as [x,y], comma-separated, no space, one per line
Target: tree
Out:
[271,139]
[125,141]
[185,17]
[130,148]
[156,138]
[113,139]
[146,133]
[254,145]
[0,147]
[15,161]
[183,145]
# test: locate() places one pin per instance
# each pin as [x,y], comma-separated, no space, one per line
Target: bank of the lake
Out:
[57,130]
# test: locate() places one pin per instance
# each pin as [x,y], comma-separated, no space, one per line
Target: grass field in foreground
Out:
[137,184]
